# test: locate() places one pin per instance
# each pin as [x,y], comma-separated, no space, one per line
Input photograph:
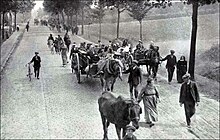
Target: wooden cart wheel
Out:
[77,71]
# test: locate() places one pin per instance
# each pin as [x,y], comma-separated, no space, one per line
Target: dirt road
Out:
[56,106]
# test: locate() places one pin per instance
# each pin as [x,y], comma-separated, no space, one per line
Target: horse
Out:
[112,69]
[118,111]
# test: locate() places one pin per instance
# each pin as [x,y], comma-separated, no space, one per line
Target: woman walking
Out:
[181,68]
[63,49]
[150,97]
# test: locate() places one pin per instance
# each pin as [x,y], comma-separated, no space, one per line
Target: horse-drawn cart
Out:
[149,58]
[84,64]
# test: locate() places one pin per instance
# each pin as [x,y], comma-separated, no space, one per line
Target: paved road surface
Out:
[55,106]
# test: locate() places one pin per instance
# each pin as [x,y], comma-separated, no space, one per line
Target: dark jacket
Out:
[50,38]
[182,66]
[36,60]
[171,61]
[135,75]
[67,40]
[193,91]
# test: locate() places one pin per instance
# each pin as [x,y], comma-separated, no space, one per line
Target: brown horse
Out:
[118,111]
[111,71]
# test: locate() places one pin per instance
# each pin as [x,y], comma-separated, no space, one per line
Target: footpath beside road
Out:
[8,47]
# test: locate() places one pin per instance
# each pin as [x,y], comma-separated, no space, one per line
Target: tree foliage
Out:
[98,12]
[18,6]
[138,10]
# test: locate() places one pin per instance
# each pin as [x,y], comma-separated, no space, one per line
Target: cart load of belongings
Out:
[92,65]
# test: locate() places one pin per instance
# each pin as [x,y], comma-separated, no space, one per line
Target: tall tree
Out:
[120,6]
[84,4]
[55,7]
[14,6]
[4,9]
[72,8]
[98,13]
[195,6]
[138,11]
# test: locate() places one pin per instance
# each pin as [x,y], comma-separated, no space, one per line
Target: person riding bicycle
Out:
[37,60]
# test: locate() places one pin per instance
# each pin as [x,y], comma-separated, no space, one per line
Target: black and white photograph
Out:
[109,69]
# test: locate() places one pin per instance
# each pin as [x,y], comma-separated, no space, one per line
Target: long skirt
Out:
[64,56]
[179,74]
[150,108]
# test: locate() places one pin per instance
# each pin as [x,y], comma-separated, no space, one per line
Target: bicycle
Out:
[29,71]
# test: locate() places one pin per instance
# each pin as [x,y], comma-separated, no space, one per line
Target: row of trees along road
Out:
[13,7]
[138,9]
[70,8]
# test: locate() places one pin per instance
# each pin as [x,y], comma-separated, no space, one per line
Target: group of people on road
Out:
[189,95]
[60,46]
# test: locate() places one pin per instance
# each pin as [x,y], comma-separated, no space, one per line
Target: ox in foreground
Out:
[118,111]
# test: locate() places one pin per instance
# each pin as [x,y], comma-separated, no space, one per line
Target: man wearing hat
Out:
[171,63]
[36,59]
[129,133]
[140,44]
[137,51]
[189,96]
[135,78]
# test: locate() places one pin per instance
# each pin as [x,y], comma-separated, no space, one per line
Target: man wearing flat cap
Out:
[129,133]
[171,63]
[189,96]
[134,78]
[36,59]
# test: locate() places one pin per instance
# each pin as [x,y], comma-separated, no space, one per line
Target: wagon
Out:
[84,64]
[142,57]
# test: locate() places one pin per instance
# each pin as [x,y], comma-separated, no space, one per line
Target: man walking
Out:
[27,26]
[134,79]
[37,60]
[189,96]
[171,63]
[67,41]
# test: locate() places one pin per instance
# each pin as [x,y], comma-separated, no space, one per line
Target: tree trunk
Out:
[71,18]
[76,19]
[0,28]
[82,31]
[193,40]
[68,19]
[10,23]
[58,18]
[15,22]
[140,30]
[118,22]
[3,26]
[63,19]
[23,18]
[100,30]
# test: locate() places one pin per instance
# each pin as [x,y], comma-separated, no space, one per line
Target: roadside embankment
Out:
[9,46]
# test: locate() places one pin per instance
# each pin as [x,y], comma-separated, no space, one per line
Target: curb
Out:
[15,45]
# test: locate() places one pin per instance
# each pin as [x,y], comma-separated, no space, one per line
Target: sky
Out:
[39,4]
